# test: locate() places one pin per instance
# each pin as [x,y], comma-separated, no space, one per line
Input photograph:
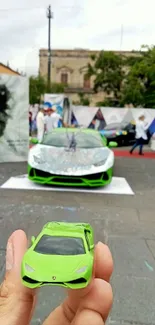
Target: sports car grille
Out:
[41,173]
[69,179]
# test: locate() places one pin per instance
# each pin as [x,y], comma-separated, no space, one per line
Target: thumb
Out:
[16,301]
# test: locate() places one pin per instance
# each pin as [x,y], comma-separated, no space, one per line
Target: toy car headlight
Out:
[29,268]
[83,269]
[100,163]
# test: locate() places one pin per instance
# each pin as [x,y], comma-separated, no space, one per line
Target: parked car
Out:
[123,133]
[72,157]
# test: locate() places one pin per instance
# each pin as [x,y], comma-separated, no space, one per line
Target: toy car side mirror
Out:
[32,240]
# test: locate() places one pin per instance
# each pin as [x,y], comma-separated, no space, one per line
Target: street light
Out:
[49,16]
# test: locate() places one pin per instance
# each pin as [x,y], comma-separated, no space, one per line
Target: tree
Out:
[39,86]
[126,80]
[108,73]
[56,88]
[108,102]
[139,86]
[83,100]
[132,93]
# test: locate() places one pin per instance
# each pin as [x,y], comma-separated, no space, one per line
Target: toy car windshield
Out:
[52,245]
[62,254]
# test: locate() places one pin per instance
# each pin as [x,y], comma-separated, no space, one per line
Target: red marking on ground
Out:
[126,153]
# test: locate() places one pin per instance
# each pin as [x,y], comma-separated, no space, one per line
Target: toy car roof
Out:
[68,226]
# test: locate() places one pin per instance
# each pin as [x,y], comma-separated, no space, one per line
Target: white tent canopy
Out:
[113,115]
[84,114]
[128,117]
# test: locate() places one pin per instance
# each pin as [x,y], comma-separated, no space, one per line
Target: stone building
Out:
[69,67]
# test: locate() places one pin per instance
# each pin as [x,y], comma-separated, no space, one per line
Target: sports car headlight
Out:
[83,269]
[38,160]
[29,268]
[100,163]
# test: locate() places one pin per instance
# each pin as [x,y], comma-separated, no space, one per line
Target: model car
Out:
[123,133]
[72,157]
[62,254]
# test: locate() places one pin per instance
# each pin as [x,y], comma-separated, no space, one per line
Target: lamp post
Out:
[49,16]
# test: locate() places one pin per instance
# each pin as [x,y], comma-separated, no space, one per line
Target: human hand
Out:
[81,307]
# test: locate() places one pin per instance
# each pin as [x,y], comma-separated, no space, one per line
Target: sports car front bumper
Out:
[92,180]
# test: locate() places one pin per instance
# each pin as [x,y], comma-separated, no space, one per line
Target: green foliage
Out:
[139,88]
[108,73]
[128,80]
[133,93]
[108,102]
[83,100]
[38,86]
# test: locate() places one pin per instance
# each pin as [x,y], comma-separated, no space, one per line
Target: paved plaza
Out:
[125,222]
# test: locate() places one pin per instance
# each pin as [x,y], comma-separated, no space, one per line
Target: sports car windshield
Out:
[83,140]
[51,245]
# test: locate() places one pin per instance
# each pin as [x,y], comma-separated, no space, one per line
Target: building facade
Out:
[69,67]
[7,70]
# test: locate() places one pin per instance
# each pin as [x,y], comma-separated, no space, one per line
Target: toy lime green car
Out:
[62,255]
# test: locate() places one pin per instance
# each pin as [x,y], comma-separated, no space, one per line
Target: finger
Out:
[103,268]
[97,301]
[88,317]
[16,301]
[104,262]
[71,304]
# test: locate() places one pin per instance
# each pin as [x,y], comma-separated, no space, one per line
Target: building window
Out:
[64,78]
[86,82]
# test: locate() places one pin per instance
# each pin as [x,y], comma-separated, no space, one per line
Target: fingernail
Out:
[9,256]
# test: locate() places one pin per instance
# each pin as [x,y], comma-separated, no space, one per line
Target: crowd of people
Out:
[46,120]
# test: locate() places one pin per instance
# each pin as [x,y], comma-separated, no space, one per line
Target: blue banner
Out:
[152,127]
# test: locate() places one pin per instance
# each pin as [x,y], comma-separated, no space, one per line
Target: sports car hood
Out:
[63,268]
[59,161]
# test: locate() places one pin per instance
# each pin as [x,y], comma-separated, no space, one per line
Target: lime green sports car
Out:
[72,157]
[62,255]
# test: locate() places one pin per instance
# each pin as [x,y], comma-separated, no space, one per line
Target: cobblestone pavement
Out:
[126,223]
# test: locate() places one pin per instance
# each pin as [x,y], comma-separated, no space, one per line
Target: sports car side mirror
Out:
[112,144]
[34,140]
[32,240]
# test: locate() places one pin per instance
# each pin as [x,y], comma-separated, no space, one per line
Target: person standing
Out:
[40,123]
[141,134]
[55,117]
[30,123]
[52,119]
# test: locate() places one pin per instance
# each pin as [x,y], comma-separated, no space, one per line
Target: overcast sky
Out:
[89,24]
